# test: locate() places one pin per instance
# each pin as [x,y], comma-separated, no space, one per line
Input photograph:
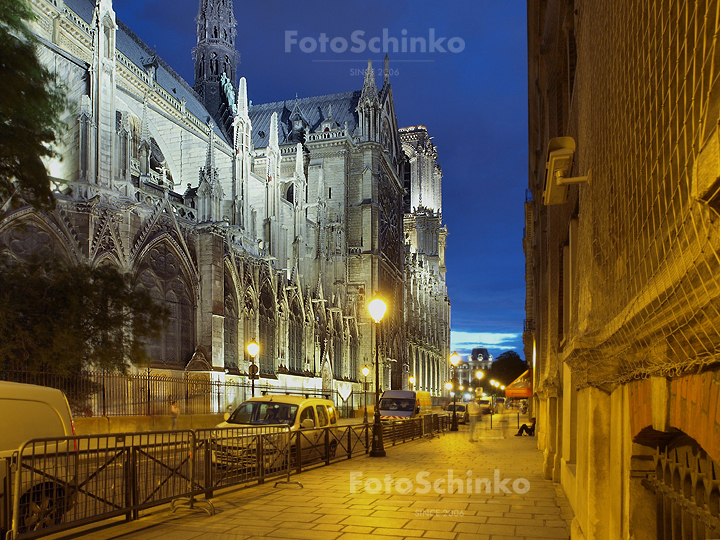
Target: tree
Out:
[61,319]
[507,367]
[31,102]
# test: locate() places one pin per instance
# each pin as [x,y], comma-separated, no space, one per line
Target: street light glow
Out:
[377,308]
[253,348]
[366,371]
[454,359]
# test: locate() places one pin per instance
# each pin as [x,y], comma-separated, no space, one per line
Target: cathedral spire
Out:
[369,90]
[386,71]
[368,107]
[242,102]
[210,158]
[273,142]
[215,56]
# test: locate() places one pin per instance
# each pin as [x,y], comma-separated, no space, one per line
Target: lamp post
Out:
[411,380]
[365,372]
[253,349]
[377,312]
[495,385]
[454,360]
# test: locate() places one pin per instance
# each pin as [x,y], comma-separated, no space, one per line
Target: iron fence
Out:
[59,483]
[148,393]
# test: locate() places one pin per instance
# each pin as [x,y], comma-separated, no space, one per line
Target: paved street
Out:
[432,488]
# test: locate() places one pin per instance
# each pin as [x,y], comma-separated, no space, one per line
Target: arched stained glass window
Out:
[231,324]
[339,347]
[267,331]
[160,274]
[295,338]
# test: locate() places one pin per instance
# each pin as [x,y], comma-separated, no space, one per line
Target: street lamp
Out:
[454,360]
[365,372]
[377,309]
[411,380]
[253,349]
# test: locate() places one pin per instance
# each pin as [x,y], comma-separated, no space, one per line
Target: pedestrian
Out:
[174,413]
[530,430]
[474,414]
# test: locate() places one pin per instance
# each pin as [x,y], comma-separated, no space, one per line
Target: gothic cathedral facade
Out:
[276,222]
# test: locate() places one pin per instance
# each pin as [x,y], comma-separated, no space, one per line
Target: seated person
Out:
[283,416]
[530,430]
[271,416]
[406,405]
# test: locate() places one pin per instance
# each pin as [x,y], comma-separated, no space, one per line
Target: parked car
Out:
[238,448]
[29,412]
[462,412]
[403,404]
[486,406]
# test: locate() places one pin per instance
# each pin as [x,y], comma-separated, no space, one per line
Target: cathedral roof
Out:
[139,53]
[314,109]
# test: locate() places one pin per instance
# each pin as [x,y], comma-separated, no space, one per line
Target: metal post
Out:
[365,400]
[454,426]
[378,450]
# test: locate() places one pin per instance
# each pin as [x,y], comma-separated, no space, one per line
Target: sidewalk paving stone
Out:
[441,488]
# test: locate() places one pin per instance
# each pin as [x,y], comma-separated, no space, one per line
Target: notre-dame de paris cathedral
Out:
[277,222]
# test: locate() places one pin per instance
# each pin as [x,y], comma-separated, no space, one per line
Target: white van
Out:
[34,412]
[404,404]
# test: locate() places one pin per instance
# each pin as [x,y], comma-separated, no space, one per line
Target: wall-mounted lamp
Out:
[559,164]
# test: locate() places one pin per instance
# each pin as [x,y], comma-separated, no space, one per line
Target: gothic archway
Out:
[295,338]
[160,272]
[231,323]
[267,318]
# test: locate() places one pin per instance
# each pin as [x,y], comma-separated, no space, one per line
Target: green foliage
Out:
[60,319]
[507,367]
[31,102]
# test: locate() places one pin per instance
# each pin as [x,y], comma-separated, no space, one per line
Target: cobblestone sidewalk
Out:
[433,488]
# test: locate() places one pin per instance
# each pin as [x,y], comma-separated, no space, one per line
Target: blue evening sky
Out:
[473,102]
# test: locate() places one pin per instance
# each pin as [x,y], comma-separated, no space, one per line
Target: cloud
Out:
[464,342]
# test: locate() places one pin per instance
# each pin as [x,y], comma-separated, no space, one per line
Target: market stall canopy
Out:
[522,387]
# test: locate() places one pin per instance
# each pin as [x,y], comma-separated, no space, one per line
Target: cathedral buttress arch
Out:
[162,271]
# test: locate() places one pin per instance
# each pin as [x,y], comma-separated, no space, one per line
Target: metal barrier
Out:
[59,483]
[64,482]
[238,455]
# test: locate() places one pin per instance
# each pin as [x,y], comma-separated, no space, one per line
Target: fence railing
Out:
[61,483]
[97,393]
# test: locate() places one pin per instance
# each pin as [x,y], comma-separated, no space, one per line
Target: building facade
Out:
[427,308]
[276,222]
[622,245]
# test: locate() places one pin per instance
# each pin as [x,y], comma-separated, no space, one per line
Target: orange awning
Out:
[521,387]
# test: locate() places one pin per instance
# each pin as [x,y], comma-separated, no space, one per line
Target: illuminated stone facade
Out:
[276,222]
[623,308]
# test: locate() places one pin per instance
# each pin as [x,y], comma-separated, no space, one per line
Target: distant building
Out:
[480,359]
[623,262]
